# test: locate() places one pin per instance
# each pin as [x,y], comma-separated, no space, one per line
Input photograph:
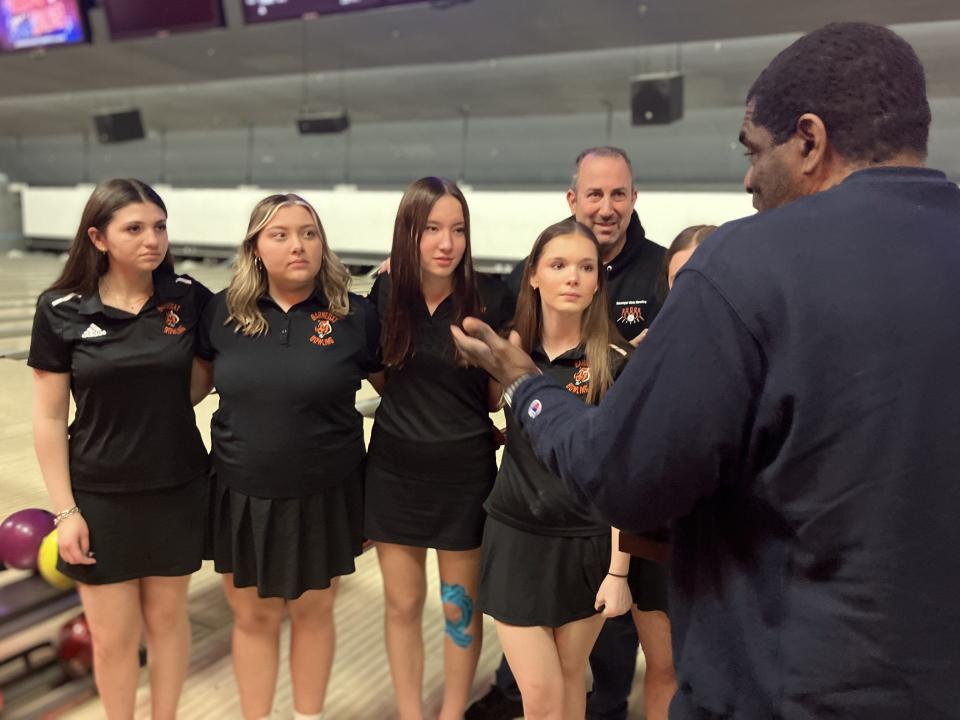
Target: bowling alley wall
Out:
[359,223]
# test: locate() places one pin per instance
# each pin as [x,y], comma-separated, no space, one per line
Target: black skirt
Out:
[286,546]
[159,533]
[539,580]
[648,583]
[427,494]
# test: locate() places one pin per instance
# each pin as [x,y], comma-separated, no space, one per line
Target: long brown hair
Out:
[597,331]
[400,329]
[85,264]
[249,281]
[690,237]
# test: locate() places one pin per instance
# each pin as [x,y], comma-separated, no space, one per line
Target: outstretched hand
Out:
[481,346]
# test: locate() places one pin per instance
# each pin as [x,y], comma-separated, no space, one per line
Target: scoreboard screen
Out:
[28,24]
[255,11]
[148,18]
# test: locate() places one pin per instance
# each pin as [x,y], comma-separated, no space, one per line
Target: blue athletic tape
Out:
[457,630]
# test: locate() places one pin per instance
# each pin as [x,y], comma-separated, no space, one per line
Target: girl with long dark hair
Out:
[128,478]
[431,457]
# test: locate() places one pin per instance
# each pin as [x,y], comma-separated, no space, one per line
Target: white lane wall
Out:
[359,223]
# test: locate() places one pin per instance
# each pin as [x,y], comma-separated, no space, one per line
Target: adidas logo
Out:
[93,331]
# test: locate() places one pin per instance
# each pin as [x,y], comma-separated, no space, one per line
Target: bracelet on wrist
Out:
[613,574]
[64,514]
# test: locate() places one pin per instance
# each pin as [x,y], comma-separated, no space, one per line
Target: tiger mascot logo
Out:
[172,323]
[323,330]
[580,385]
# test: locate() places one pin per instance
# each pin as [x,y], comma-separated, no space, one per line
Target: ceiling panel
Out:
[422,34]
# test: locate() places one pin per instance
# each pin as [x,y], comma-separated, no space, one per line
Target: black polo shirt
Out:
[287,425]
[634,281]
[527,495]
[134,427]
[430,398]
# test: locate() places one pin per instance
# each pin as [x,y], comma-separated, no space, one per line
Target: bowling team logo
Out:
[323,330]
[580,385]
[631,315]
[171,319]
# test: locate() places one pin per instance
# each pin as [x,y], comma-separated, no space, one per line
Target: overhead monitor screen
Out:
[40,23]
[147,18]
[255,11]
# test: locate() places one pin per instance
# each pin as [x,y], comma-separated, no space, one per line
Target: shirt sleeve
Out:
[673,428]
[499,304]
[48,349]
[203,342]
[201,296]
[371,357]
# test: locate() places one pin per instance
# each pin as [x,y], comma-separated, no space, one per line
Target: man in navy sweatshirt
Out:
[795,409]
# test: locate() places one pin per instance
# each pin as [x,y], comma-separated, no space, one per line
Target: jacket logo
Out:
[171,319]
[631,315]
[580,385]
[323,330]
[93,331]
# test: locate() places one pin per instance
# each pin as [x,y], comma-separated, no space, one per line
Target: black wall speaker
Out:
[323,123]
[119,126]
[656,99]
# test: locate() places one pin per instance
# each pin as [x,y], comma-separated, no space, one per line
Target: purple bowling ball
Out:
[21,535]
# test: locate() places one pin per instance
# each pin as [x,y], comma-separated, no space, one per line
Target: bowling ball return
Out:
[33,684]
[44,669]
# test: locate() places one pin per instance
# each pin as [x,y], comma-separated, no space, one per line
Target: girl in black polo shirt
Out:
[288,347]
[431,461]
[128,478]
[549,576]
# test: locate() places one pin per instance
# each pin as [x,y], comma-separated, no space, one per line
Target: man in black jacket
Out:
[795,410]
[602,196]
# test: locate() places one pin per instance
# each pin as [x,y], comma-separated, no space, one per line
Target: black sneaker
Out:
[495,705]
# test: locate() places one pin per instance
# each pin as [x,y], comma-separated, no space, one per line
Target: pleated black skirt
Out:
[286,546]
[159,533]
[538,580]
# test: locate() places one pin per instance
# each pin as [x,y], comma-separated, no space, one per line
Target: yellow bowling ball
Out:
[47,563]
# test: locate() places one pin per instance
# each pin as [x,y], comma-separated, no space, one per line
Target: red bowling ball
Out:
[75,648]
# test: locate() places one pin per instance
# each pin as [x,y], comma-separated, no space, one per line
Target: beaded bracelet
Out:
[64,514]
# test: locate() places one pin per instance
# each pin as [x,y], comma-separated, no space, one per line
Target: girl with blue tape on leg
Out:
[551,571]
[431,458]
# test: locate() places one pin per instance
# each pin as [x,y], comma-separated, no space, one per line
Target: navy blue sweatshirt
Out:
[795,411]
